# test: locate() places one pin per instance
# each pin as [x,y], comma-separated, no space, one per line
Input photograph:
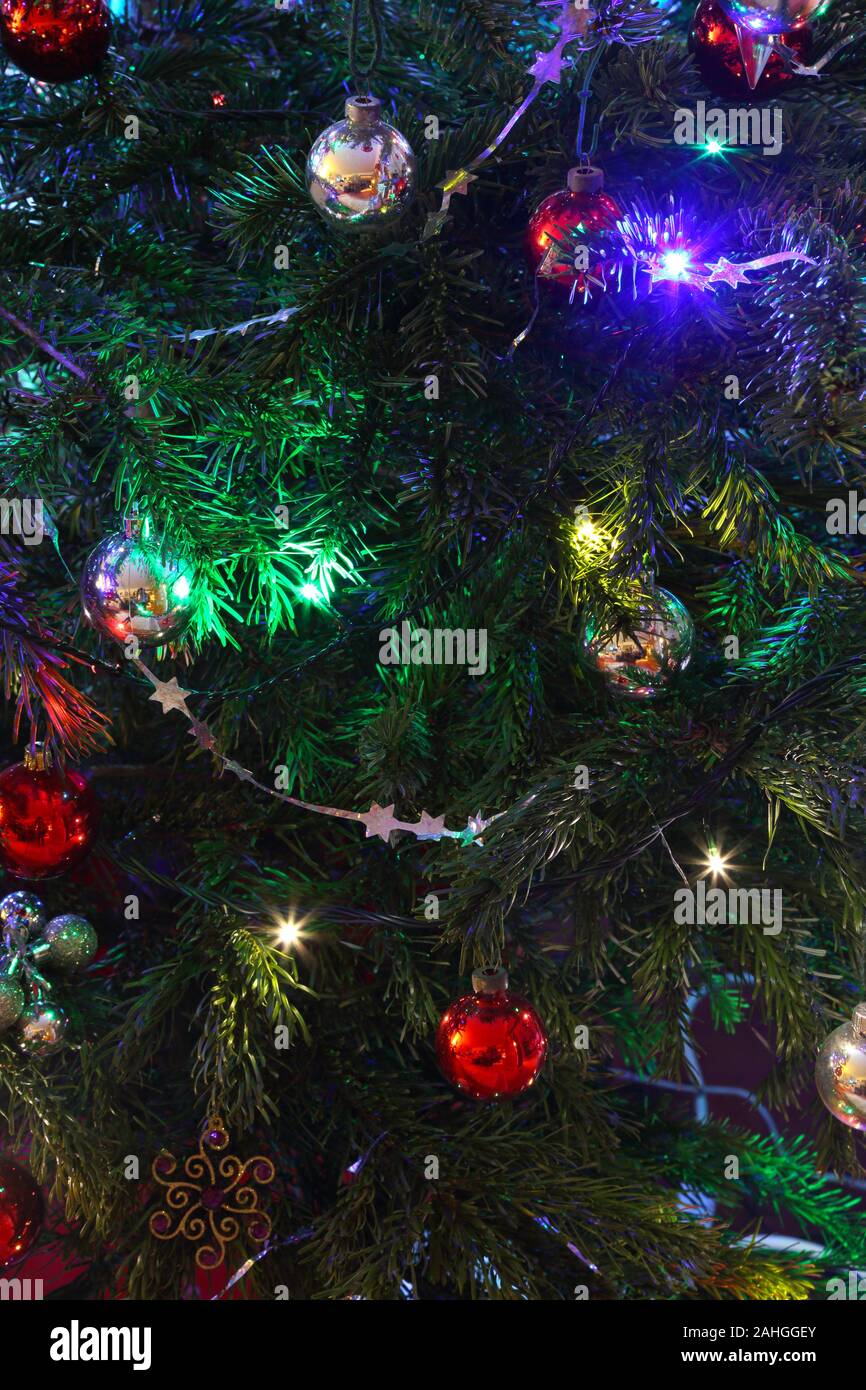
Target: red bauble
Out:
[48,818]
[21,1211]
[583,208]
[491,1044]
[713,41]
[55,40]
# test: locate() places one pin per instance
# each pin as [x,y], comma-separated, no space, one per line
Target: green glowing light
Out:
[312,593]
[713,147]
[180,587]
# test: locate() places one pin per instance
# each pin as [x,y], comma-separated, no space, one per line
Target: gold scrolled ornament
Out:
[215,1200]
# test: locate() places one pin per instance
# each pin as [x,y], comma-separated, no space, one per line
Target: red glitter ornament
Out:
[715,44]
[21,1211]
[572,240]
[491,1044]
[55,40]
[48,817]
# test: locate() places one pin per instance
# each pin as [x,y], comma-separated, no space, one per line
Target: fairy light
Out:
[716,863]
[586,535]
[667,244]
[675,263]
[289,933]
[318,587]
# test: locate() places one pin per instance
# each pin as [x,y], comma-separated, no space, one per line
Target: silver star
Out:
[170,696]
[202,734]
[548,66]
[429,827]
[462,186]
[475,827]
[242,774]
[726,272]
[435,222]
[379,820]
[553,258]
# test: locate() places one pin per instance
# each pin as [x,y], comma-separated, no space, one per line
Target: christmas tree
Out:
[433,633]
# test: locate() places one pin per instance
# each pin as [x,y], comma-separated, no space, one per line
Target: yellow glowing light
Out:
[289,933]
[715,862]
[588,536]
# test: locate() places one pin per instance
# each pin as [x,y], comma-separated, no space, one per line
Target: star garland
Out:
[733,273]
[575,21]
[379,822]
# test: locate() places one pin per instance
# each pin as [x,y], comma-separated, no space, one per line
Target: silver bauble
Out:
[361,171]
[71,940]
[42,1027]
[11,1001]
[769,16]
[840,1071]
[132,586]
[638,660]
[22,915]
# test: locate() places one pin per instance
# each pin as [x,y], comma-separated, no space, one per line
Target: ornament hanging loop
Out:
[361,74]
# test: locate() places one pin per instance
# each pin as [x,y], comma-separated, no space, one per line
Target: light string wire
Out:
[428,828]
[700,1091]
[573,23]
[689,1201]
[570,23]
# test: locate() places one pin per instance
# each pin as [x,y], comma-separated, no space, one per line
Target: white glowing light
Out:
[675,263]
[288,933]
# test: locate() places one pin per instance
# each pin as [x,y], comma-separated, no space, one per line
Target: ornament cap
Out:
[37,758]
[585,178]
[363,110]
[133,527]
[858,1019]
[492,979]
